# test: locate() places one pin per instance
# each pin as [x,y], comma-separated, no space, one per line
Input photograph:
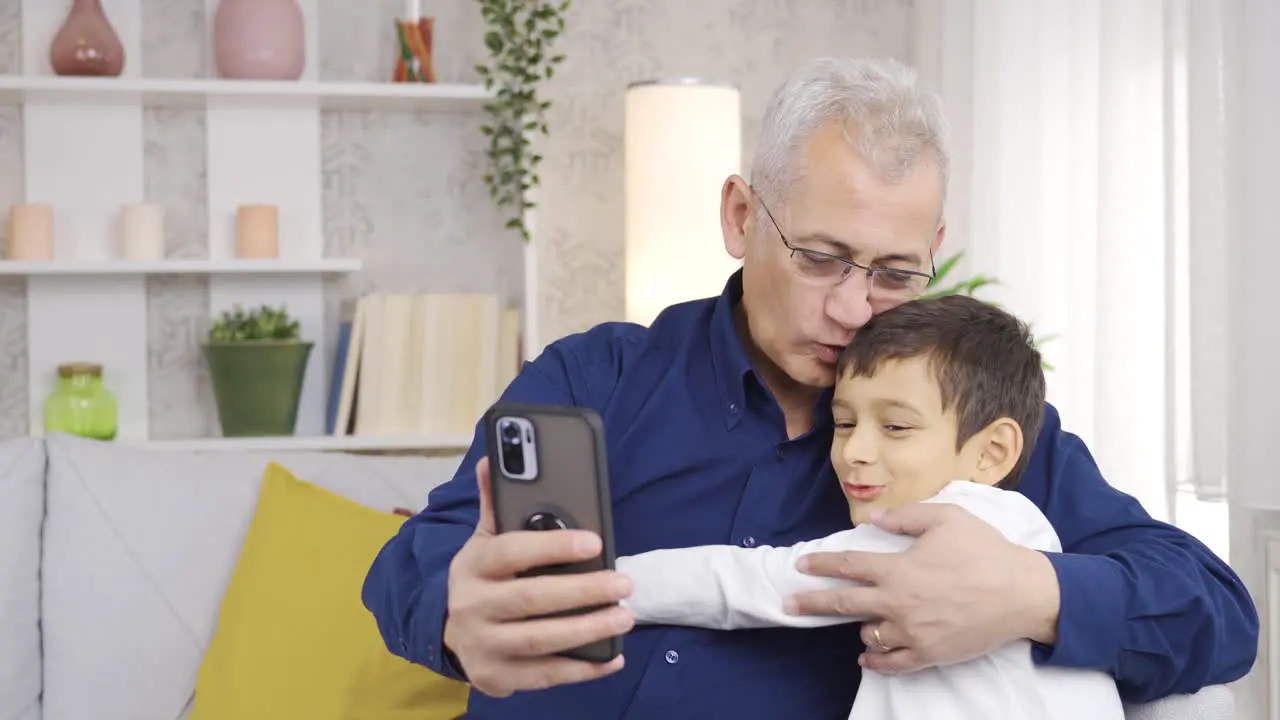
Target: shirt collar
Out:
[727,354]
[733,367]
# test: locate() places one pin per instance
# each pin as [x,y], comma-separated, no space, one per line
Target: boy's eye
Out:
[896,428]
[845,424]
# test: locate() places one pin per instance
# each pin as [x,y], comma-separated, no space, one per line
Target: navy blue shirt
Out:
[698,454]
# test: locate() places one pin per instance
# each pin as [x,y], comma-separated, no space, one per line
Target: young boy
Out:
[936,401]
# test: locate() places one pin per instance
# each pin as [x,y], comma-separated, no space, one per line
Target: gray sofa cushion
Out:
[1212,703]
[22,465]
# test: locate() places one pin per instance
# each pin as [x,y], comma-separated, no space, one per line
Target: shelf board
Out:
[163,92]
[430,444]
[178,267]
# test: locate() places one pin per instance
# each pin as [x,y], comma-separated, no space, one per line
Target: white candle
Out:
[30,232]
[142,232]
[412,10]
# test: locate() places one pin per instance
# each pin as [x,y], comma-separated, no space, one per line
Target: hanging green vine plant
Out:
[519,37]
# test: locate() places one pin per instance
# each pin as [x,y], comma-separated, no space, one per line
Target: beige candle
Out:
[142,232]
[257,231]
[30,232]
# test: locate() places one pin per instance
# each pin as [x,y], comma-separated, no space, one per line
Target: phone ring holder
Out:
[548,519]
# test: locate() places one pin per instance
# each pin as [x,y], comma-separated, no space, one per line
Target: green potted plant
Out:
[968,287]
[960,287]
[257,361]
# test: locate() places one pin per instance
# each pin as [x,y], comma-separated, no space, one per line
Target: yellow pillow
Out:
[293,639]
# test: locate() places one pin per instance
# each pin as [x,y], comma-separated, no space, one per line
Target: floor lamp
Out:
[683,139]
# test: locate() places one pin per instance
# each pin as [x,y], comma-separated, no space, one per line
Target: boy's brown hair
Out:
[984,359]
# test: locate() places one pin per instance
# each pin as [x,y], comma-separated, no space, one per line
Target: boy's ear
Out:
[996,451]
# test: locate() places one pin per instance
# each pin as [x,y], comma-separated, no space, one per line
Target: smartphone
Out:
[549,470]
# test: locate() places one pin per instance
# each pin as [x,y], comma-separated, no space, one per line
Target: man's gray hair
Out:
[890,120]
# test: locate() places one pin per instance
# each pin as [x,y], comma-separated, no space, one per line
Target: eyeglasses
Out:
[821,268]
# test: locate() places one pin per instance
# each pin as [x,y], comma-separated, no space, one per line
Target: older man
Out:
[718,428]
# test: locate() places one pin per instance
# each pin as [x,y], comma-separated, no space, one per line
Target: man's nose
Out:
[849,303]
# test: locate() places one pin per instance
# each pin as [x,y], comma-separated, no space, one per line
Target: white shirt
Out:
[726,587]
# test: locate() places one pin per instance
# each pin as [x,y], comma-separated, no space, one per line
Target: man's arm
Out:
[725,587]
[407,586]
[1140,599]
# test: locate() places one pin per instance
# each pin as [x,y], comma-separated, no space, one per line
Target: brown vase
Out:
[87,44]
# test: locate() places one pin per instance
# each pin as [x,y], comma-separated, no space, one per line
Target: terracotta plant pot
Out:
[260,39]
[86,44]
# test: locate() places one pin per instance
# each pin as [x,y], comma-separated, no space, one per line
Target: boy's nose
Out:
[859,448]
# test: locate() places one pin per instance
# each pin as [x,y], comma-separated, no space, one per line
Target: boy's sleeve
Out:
[725,587]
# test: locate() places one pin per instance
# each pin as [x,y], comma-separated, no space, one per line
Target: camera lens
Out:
[513,459]
[511,432]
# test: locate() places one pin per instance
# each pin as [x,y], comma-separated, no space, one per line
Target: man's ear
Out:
[736,216]
[995,451]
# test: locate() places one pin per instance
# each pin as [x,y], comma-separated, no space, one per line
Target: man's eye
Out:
[816,259]
[896,428]
[845,424]
[894,278]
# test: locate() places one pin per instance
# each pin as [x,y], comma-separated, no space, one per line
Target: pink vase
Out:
[86,44]
[260,39]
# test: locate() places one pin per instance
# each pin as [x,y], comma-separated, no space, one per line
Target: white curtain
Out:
[1250,45]
[1069,152]
[1203,450]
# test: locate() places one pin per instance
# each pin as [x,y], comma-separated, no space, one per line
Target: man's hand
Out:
[501,651]
[960,591]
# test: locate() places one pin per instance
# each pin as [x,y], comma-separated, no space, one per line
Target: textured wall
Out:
[403,191]
[751,43]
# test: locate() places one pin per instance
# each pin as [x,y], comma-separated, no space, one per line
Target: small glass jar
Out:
[80,404]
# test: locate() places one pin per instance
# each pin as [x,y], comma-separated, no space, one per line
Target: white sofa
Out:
[113,561]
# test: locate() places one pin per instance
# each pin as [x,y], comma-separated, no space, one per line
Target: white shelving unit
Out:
[180,267]
[83,152]
[245,94]
[434,444]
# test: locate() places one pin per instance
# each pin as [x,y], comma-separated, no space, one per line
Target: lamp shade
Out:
[683,140]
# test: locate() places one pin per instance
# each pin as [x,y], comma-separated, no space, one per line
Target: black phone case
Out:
[572,482]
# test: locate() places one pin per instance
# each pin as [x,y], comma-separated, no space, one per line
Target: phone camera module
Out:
[516,452]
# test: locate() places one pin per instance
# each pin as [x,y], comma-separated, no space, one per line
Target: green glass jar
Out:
[80,404]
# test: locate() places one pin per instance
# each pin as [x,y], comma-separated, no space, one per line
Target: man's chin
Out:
[815,373]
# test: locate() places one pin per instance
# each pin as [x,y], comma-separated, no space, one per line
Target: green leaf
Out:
[262,323]
[945,268]
[494,42]
[519,35]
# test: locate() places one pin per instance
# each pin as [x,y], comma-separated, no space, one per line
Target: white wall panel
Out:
[87,162]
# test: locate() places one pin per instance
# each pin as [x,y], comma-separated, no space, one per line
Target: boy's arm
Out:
[725,587]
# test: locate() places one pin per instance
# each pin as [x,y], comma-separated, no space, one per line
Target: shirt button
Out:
[748,541]
[672,657]
[782,454]
[733,408]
